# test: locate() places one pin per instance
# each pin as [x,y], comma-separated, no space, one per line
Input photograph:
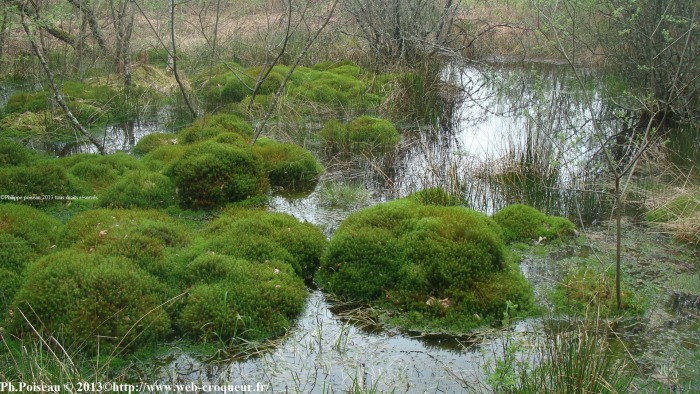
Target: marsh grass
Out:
[573,356]
[344,194]
[42,359]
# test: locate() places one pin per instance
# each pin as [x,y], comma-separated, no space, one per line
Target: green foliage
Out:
[368,133]
[29,125]
[27,102]
[445,264]
[339,87]
[93,301]
[15,254]
[250,301]
[362,134]
[524,223]
[14,154]
[334,135]
[30,226]
[361,264]
[586,290]
[683,206]
[287,165]
[435,196]
[145,237]
[270,84]
[259,236]
[152,141]
[211,174]
[162,157]
[40,184]
[10,282]
[88,103]
[101,171]
[212,126]
[227,87]
[140,190]
[157,56]
[344,195]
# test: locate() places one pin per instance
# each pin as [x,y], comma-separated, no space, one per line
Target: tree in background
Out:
[408,30]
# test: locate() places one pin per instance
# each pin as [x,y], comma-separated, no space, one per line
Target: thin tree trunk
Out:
[3,31]
[84,7]
[275,99]
[57,94]
[267,69]
[618,241]
[58,33]
[173,53]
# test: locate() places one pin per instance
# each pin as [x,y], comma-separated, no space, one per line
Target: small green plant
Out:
[435,196]
[14,154]
[524,223]
[368,134]
[345,195]
[29,226]
[146,238]
[586,289]
[159,159]
[362,134]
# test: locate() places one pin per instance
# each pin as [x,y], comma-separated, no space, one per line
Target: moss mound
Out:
[335,86]
[270,84]
[238,299]
[368,133]
[29,226]
[140,190]
[434,261]
[144,237]
[362,134]
[260,236]
[159,159]
[14,154]
[101,171]
[212,126]
[211,174]
[288,166]
[15,254]
[524,223]
[152,141]
[435,196]
[227,87]
[39,184]
[93,301]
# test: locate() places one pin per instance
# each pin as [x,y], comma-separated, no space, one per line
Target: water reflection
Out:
[323,353]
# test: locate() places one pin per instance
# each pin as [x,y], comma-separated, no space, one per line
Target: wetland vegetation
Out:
[465,196]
